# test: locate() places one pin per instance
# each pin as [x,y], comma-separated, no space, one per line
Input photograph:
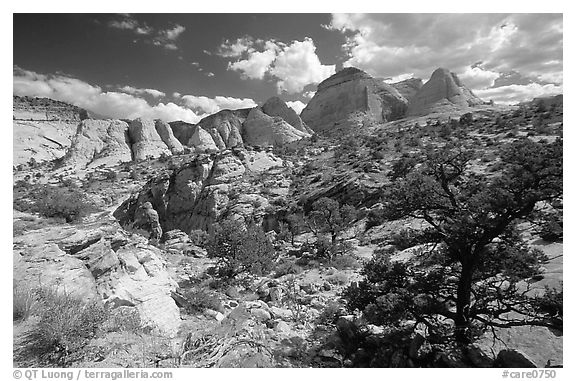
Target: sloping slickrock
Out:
[99,142]
[145,140]
[42,129]
[50,267]
[225,127]
[348,91]
[167,136]
[276,107]
[443,92]
[202,141]
[263,130]
[98,260]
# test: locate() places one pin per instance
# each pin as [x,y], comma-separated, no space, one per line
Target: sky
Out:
[187,66]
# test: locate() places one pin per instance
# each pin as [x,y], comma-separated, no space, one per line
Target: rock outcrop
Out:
[182,131]
[225,127]
[276,107]
[202,141]
[146,142]
[42,129]
[264,130]
[443,92]
[198,193]
[167,136]
[348,91]
[99,142]
[99,261]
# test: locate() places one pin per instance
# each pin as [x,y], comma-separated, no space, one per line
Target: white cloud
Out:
[109,104]
[210,74]
[298,65]
[294,66]
[153,92]
[212,105]
[176,94]
[174,33]
[389,45]
[256,65]
[235,48]
[512,94]
[127,22]
[296,106]
[478,78]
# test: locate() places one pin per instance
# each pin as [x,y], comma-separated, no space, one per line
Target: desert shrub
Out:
[287,267]
[407,238]
[22,302]
[199,237]
[551,303]
[551,228]
[199,300]
[331,312]
[345,262]
[65,326]
[337,279]
[240,249]
[124,319]
[68,203]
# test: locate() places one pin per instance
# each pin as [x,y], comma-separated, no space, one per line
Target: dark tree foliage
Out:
[329,217]
[240,249]
[473,275]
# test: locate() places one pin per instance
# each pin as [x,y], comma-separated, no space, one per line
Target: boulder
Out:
[146,142]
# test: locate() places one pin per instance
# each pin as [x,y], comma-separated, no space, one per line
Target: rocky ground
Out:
[168,307]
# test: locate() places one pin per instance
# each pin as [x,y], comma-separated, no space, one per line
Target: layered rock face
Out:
[146,142]
[99,261]
[273,124]
[348,91]
[182,131]
[276,107]
[43,128]
[99,142]
[110,142]
[167,136]
[264,130]
[443,92]
[197,194]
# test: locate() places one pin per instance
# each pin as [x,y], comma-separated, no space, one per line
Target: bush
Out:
[53,202]
[407,238]
[22,302]
[124,319]
[65,326]
[198,300]
[199,237]
[287,267]
[239,249]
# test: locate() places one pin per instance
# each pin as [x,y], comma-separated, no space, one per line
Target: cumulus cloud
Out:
[293,66]
[296,106]
[391,45]
[133,90]
[512,94]
[212,105]
[256,65]
[109,104]
[173,33]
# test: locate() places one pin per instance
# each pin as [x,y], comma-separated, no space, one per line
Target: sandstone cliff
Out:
[348,91]
[443,92]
